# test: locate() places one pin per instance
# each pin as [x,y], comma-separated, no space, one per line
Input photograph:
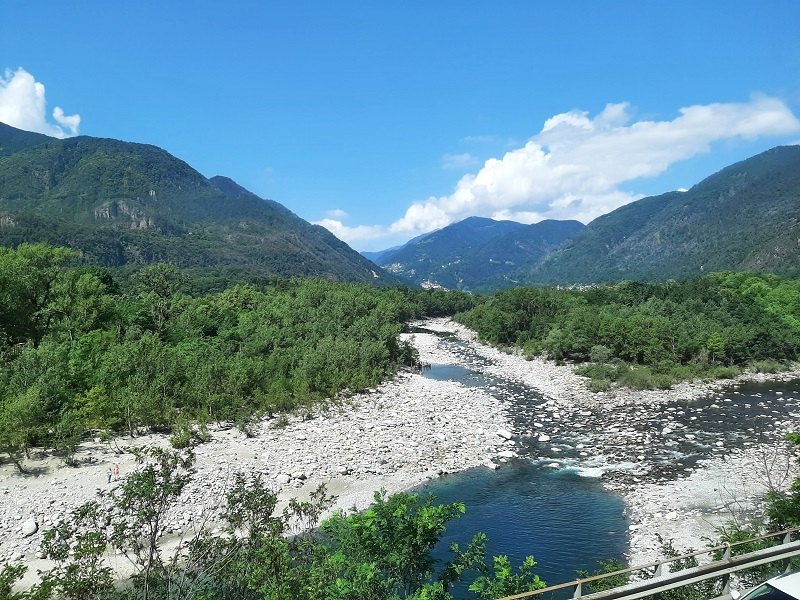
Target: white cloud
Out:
[352,235]
[23,105]
[336,213]
[573,167]
[458,161]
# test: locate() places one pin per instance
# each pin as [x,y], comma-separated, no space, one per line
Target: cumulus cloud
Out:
[574,167]
[23,105]
[336,213]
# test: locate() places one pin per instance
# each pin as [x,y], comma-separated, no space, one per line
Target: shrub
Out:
[281,422]
[767,366]
[639,378]
[182,438]
[597,371]
[600,354]
[724,372]
[599,385]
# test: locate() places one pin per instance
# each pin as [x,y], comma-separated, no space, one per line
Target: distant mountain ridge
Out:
[121,203]
[746,217]
[468,254]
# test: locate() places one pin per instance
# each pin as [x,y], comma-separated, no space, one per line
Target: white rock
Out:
[29,527]
[505,434]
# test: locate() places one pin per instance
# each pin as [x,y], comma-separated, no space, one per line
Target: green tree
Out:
[77,547]
[503,581]
[398,533]
[21,421]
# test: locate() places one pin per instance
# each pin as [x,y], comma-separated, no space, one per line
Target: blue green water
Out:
[565,521]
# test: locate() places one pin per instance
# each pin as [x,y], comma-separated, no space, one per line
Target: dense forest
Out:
[81,351]
[651,335]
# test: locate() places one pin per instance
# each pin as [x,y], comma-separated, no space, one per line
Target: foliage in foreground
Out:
[383,553]
[649,336]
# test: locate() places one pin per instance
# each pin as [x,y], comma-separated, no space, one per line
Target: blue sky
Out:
[377,119]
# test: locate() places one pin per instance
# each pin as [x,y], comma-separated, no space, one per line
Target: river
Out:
[558,500]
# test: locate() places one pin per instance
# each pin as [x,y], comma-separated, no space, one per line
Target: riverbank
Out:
[689,510]
[394,437]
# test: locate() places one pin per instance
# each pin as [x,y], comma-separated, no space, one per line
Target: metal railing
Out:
[661,581]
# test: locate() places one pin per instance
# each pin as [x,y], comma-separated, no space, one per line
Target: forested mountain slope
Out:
[121,203]
[745,217]
[468,254]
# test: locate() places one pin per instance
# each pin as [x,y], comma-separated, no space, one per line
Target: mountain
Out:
[746,217]
[121,203]
[468,254]
[376,255]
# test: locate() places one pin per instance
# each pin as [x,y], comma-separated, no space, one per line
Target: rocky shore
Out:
[414,428]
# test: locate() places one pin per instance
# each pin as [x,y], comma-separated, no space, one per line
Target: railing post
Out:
[787,562]
[726,578]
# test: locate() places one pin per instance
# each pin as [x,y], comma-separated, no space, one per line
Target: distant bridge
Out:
[656,577]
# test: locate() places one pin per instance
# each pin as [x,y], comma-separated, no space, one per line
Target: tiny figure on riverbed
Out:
[108,475]
[116,471]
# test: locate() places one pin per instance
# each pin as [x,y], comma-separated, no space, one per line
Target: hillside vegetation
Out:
[119,203]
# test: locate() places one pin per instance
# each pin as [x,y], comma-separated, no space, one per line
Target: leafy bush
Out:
[599,385]
[600,354]
[767,366]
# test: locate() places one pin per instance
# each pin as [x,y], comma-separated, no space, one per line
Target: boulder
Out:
[29,527]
